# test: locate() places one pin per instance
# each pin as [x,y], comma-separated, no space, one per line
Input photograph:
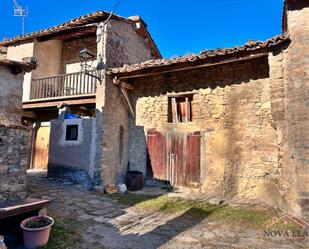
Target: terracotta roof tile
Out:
[250,46]
[97,16]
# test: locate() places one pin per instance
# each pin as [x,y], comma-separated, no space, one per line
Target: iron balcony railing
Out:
[63,85]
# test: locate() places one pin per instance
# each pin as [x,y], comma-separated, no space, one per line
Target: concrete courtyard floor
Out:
[103,222]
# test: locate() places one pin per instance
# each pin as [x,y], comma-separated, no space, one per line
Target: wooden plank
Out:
[40,158]
[80,84]
[39,89]
[179,159]
[182,111]
[12,208]
[118,82]
[54,103]
[83,83]
[157,149]
[187,110]
[193,160]
[174,111]
[87,82]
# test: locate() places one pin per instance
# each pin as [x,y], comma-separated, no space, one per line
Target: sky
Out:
[178,27]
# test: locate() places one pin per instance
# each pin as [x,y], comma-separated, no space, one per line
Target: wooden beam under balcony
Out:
[54,102]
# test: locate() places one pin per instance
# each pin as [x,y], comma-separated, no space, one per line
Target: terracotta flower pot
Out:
[36,237]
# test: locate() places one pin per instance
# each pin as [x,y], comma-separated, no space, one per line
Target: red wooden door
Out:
[157,152]
[183,168]
[185,149]
[193,160]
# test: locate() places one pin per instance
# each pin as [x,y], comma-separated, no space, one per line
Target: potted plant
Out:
[36,230]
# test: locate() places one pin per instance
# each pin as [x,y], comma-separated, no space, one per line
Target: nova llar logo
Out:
[287,226]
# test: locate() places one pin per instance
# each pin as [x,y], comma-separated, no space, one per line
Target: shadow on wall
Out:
[202,78]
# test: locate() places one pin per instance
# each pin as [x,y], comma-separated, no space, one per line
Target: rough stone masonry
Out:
[253,117]
[14,139]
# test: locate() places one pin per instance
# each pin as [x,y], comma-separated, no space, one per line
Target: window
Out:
[71,133]
[180,109]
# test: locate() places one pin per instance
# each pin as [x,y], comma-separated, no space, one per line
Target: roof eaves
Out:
[25,66]
[249,48]
[78,22]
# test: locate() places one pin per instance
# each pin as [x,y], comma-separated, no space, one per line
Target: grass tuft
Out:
[62,237]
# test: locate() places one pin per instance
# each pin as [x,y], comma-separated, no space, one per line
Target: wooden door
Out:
[41,145]
[193,160]
[156,144]
[183,151]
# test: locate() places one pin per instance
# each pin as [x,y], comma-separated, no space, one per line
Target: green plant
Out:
[40,221]
[62,237]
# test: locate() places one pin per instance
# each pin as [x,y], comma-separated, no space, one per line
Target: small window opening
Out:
[180,109]
[71,133]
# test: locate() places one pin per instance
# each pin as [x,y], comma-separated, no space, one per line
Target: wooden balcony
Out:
[50,91]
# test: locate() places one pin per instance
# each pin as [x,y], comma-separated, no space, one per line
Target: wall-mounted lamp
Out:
[86,60]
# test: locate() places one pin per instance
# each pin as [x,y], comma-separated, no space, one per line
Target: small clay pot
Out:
[35,237]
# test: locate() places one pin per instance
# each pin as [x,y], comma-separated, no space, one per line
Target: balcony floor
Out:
[54,102]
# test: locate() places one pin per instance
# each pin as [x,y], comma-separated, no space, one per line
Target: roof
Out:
[205,55]
[74,23]
[24,66]
[79,22]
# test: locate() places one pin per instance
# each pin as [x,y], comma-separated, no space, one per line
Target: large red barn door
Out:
[183,166]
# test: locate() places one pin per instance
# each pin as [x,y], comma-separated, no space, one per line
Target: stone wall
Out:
[14,141]
[14,159]
[295,133]
[124,45]
[232,108]
[121,45]
[10,97]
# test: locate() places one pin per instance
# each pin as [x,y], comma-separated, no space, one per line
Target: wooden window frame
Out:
[175,108]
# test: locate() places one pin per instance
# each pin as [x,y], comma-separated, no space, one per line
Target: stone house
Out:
[231,123]
[14,138]
[78,148]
